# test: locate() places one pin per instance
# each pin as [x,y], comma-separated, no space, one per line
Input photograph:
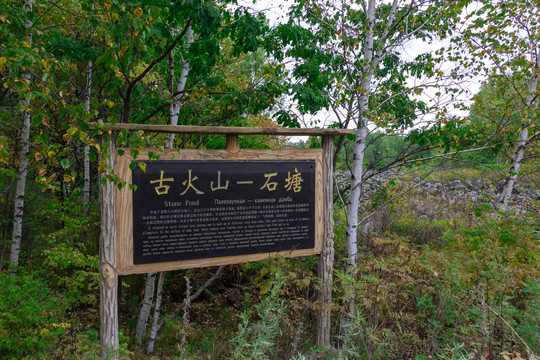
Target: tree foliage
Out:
[346,59]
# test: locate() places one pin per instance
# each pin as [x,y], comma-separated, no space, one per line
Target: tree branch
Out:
[180,307]
[159,59]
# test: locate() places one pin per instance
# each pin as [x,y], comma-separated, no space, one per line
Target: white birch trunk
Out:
[360,144]
[146,307]
[521,145]
[23,162]
[86,196]
[108,310]
[157,310]
[370,59]
[515,164]
[358,162]
[354,198]
[175,104]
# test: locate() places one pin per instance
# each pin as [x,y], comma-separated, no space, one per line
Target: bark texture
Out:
[326,260]
[23,160]
[146,307]
[174,109]
[360,142]
[86,196]
[370,59]
[108,309]
[522,141]
[157,311]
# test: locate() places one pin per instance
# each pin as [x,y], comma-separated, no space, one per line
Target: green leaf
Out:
[92,155]
[66,163]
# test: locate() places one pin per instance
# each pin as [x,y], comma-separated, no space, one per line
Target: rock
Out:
[234,297]
[475,190]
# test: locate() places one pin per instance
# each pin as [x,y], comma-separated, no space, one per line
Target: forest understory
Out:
[438,278]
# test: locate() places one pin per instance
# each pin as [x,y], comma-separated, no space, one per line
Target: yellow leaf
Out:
[138,11]
[46,64]
[72,131]
[51,154]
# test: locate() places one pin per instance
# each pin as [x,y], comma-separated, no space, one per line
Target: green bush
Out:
[529,324]
[73,272]
[257,339]
[31,318]
[70,268]
[485,290]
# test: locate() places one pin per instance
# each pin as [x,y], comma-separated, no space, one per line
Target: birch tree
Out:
[23,156]
[502,40]
[349,57]
[86,153]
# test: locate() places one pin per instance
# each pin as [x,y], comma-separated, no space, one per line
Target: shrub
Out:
[31,321]
[74,272]
[69,268]
[485,287]
[256,338]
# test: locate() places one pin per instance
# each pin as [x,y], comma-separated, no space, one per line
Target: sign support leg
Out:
[232,145]
[326,259]
[108,310]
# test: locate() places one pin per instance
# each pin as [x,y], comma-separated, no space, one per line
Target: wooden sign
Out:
[196,208]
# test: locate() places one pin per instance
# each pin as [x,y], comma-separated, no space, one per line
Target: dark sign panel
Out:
[186,210]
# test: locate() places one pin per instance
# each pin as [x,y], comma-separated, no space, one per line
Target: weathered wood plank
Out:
[217,130]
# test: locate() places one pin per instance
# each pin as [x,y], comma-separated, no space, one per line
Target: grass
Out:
[438,279]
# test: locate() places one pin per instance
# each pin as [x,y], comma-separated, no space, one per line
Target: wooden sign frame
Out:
[124,207]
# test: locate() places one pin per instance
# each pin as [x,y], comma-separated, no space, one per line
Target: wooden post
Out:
[108,310]
[232,144]
[326,259]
